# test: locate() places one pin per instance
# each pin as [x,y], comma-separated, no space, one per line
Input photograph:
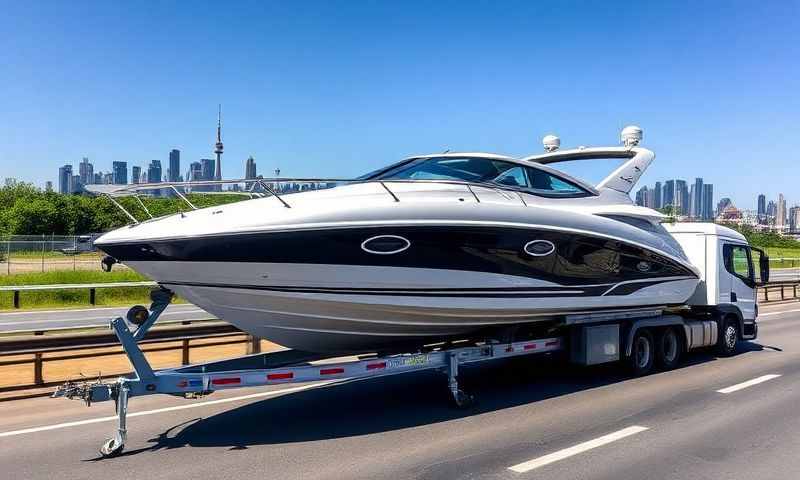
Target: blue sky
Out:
[341,88]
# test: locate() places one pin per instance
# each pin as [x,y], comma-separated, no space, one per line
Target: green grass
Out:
[75,298]
[33,255]
[783,252]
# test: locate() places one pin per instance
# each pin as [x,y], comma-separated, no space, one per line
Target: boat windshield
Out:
[483,170]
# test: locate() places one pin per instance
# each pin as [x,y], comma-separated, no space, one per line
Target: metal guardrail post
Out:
[92,294]
[38,377]
[185,351]
[16,298]
[783,295]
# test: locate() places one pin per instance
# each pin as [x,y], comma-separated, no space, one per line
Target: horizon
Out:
[372,83]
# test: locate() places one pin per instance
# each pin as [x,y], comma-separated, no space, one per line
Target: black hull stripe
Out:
[578,259]
[500,292]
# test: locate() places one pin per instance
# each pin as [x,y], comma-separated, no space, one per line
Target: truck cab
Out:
[728,272]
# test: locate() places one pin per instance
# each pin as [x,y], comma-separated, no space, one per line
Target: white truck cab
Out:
[728,278]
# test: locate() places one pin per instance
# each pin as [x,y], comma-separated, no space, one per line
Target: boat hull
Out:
[345,308]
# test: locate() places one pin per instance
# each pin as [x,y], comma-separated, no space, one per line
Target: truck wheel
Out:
[642,353]
[669,349]
[728,337]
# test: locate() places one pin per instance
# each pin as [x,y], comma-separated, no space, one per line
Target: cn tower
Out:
[218,149]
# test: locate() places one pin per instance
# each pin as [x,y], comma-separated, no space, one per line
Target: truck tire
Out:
[728,337]
[669,348]
[642,353]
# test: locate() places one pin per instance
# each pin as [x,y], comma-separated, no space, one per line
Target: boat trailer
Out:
[272,368]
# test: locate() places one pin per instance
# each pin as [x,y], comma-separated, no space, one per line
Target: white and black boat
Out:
[434,247]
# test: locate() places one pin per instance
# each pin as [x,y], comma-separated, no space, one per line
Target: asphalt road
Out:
[784,274]
[534,419]
[32,320]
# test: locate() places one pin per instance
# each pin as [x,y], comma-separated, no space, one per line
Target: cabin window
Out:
[737,261]
[546,183]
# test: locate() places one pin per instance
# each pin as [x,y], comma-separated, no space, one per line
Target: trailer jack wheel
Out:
[112,447]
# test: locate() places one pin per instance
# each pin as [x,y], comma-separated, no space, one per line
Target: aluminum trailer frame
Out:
[284,367]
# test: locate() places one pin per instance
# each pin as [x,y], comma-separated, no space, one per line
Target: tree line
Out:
[27,210]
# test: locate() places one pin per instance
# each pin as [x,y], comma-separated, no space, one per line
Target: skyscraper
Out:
[708,202]
[772,210]
[641,196]
[119,173]
[780,214]
[136,174]
[681,197]
[697,200]
[249,170]
[154,172]
[794,219]
[218,149]
[174,172]
[762,209]
[48,186]
[65,179]
[86,171]
[657,196]
[668,195]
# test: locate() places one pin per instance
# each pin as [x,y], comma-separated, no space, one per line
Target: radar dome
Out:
[631,136]
[551,143]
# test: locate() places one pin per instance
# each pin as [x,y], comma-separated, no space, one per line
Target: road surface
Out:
[784,274]
[32,320]
[731,418]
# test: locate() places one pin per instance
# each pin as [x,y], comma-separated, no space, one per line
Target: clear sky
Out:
[341,88]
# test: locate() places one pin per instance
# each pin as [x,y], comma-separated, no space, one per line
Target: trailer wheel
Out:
[728,337]
[669,349]
[642,353]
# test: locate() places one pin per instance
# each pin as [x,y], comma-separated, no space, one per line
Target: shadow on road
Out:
[393,403]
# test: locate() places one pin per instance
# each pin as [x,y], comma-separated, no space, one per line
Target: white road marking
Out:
[580,448]
[270,393]
[779,313]
[749,383]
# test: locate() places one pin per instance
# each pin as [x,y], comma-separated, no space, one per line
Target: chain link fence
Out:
[45,253]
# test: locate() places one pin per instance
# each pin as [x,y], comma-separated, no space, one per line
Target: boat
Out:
[432,248]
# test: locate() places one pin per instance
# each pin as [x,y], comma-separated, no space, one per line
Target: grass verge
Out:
[74,298]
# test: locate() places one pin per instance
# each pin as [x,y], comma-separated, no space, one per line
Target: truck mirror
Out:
[763,263]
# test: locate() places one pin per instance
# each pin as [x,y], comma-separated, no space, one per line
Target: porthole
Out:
[385,244]
[539,248]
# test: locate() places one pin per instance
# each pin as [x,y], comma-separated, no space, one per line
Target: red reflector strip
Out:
[226,381]
[529,346]
[280,376]
[331,371]
[509,348]
[551,344]
[376,366]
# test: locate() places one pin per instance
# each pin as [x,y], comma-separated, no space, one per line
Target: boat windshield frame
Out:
[579,189]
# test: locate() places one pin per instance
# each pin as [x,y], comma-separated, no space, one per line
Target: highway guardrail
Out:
[40,349]
[71,286]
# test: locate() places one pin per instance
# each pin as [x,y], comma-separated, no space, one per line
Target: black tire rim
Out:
[730,337]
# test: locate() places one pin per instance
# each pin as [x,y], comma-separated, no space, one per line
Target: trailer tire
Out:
[669,348]
[728,337]
[642,353]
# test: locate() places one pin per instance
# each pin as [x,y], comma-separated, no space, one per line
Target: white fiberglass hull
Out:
[357,308]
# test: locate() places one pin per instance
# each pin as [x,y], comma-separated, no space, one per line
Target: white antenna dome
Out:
[631,136]
[551,143]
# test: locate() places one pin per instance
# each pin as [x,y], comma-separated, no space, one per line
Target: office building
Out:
[794,219]
[119,172]
[697,198]
[65,179]
[136,174]
[657,203]
[86,171]
[668,194]
[762,209]
[174,171]
[154,172]
[48,186]
[681,197]
[780,214]
[707,212]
